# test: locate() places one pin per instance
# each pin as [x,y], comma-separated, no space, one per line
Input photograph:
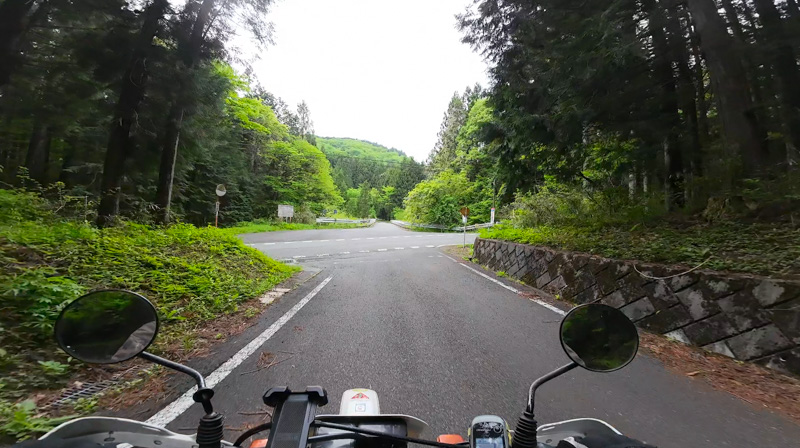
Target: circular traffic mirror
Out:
[106,327]
[599,338]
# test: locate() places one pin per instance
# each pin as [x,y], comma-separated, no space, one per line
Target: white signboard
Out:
[492,219]
[285,211]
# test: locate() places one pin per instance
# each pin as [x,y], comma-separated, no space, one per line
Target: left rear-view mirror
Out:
[107,327]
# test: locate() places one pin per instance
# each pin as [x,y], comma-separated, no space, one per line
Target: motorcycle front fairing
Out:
[112,432]
[551,433]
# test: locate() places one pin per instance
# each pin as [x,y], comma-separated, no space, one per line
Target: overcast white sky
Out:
[378,70]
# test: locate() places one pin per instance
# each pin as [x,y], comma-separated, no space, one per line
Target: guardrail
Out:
[345,221]
[475,227]
[409,225]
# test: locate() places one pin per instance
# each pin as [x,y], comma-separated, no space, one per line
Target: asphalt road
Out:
[318,244]
[444,344]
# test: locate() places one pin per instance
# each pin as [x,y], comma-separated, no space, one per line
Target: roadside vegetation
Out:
[192,275]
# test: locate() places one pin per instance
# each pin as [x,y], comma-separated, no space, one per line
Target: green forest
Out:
[373,180]
[136,113]
[651,130]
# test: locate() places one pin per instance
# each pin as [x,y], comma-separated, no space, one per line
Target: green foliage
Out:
[299,174]
[554,203]
[21,421]
[86,405]
[439,199]
[356,162]
[191,274]
[54,368]
[755,248]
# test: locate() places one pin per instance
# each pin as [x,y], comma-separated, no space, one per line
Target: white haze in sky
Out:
[377,70]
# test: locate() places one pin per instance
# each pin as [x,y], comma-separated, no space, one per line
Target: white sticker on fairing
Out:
[360,402]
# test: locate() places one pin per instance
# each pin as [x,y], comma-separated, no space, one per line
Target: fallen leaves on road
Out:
[265,359]
[749,382]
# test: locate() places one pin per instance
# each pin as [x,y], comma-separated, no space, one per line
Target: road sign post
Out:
[464,214]
[286,211]
[220,193]
[492,218]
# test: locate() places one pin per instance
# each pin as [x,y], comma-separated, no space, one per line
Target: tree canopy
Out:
[135,108]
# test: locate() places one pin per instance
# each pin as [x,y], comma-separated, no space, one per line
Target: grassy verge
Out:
[192,275]
[757,248]
[271,226]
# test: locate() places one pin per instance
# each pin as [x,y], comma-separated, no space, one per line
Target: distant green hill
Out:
[358,163]
[350,147]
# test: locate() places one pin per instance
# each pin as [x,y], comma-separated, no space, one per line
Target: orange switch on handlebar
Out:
[259,443]
[449,438]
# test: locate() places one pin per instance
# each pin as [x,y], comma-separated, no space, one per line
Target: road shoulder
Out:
[761,388]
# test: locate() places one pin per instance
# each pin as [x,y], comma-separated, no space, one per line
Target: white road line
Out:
[323,255]
[308,241]
[185,401]
[299,256]
[371,238]
[268,244]
[415,247]
[323,241]
[363,251]
[399,248]
[407,236]
[345,253]
[382,250]
[340,239]
[516,291]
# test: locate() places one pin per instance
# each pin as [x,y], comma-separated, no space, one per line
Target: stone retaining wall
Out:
[749,318]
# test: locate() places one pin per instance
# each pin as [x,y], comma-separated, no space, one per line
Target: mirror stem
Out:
[541,380]
[198,378]
[525,434]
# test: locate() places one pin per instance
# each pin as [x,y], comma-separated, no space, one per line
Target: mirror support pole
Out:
[525,434]
[203,394]
[198,378]
[543,379]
